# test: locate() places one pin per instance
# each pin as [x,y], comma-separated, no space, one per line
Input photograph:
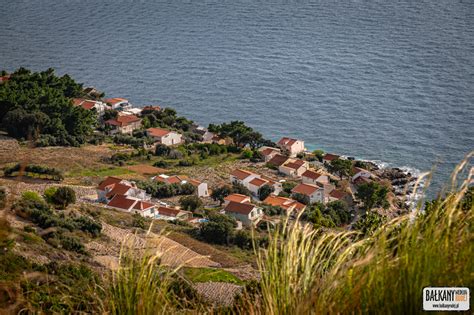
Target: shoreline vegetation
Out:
[368,248]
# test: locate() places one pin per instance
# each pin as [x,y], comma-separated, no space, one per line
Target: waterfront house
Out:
[118,103]
[360,172]
[171,214]
[4,78]
[328,157]
[98,106]
[207,136]
[277,160]
[293,167]
[291,146]
[315,193]
[246,213]
[291,206]
[312,177]
[163,136]
[131,204]
[151,108]
[340,195]
[268,152]
[124,124]
[236,198]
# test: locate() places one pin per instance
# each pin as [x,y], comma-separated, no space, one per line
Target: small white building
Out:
[201,188]
[131,204]
[124,124]
[360,172]
[314,178]
[293,167]
[98,106]
[269,152]
[236,198]
[163,136]
[118,103]
[315,193]
[239,176]
[170,214]
[291,146]
[112,186]
[247,213]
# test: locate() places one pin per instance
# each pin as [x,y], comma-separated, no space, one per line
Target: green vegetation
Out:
[209,274]
[219,229]
[372,195]
[333,214]
[34,171]
[37,106]
[265,191]
[163,190]
[341,167]
[241,134]
[63,196]
[190,203]
[166,118]
[319,154]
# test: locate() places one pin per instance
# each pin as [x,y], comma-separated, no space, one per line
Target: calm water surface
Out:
[382,80]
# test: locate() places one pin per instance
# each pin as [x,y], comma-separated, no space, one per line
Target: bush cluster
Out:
[31,170]
[163,190]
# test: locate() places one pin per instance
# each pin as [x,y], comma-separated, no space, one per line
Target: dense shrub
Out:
[88,225]
[37,106]
[219,229]
[31,170]
[243,239]
[64,196]
[190,203]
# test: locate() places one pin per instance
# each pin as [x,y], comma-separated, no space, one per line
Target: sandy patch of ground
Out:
[221,293]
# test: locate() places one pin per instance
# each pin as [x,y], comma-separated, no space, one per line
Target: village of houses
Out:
[284,162]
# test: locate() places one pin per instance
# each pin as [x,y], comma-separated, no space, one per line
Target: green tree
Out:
[372,195]
[218,229]
[319,154]
[301,198]
[220,193]
[265,191]
[190,203]
[243,239]
[314,214]
[339,212]
[64,196]
[341,167]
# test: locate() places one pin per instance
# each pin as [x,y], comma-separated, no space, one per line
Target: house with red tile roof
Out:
[4,78]
[172,214]
[291,146]
[253,181]
[118,103]
[125,124]
[134,205]
[247,213]
[328,157]
[293,167]
[164,136]
[340,195]
[98,106]
[360,172]
[236,198]
[315,193]
[269,152]
[291,206]
[112,186]
[313,177]
[277,160]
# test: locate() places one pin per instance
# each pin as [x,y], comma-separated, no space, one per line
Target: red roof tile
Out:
[278,160]
[287,142]
[311,174]
[123,120]
[109,181]
[237,198]
[241,174]
[338,194]
[258,182]
[170,212]
[143,205]
[157,132]
[118,189]
[330,157]
[115,100]
[121,202]
[305,189]
[242,208]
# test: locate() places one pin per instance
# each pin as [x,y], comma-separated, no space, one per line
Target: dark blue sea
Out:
[391,81]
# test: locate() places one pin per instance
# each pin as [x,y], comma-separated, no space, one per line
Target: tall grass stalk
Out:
[306,271]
